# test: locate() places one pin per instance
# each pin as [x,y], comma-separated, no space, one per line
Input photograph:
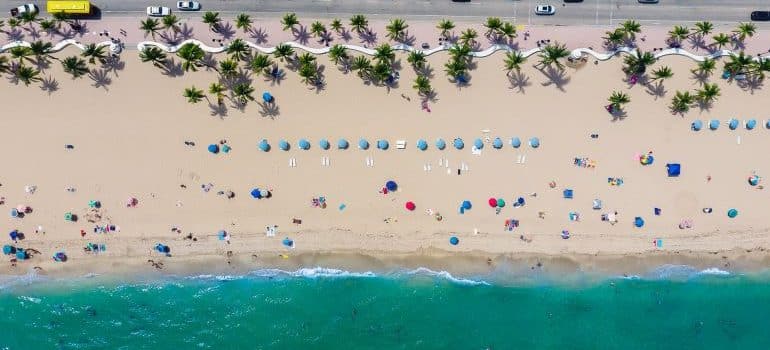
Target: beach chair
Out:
[400,144]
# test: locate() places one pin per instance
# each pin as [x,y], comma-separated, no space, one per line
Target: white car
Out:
[158,11]
[544,10]
[188,5]
[27,8]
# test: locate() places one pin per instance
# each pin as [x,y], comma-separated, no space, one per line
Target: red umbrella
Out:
[410,206]
[492,202]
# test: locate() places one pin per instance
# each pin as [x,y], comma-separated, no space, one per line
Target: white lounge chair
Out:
[401,144]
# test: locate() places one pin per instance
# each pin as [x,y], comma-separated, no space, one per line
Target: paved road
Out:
[587,12]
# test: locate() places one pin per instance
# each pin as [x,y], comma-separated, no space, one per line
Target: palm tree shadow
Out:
[698,42]
[705,105]
[226,31]
[219,110]
[738,45]
[185,31]
[14,34]
[345,35]
[33,32]
[519,81]
[101,78]
[259,35]
[49,84]
[209,61]
[657,90]
[751,84]
[556,77]
[270,110]
[618,115]
[301,35]
[368,37]
[426,71]
[701,78]
[408,39]
[171,68]
[432,96]
[113,64]
[276,75]
[42,64]
[80,28]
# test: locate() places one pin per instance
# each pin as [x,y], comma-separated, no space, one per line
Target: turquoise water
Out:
[328,309]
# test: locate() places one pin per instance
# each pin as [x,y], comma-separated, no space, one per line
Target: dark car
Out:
[573,0]
[760,16]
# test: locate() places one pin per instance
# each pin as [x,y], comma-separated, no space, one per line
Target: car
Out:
[573,0]
[648,1]
[188,5]
[27,8]
[544,10]
[760,16]
[158,11]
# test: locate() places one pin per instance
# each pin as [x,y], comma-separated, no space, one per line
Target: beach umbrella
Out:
[754,180]
[497,143]
[751,124]
[68,216]
[516,142]
[9,249]
[324,144]
[714,124]
[638,221]
[478,143]
[60,256]
[519,202]
[383,144]
[422,145]
[696,125]
[255,193]
[391,185]
[534,142]
[264,193]
[267,97]
[564,234]
[14,213]
[733,124]
[264,146]
[492,202]
[466,205]
[454,240]
[213,148]
[284,145]
[343,144]
[21,254]
[288,242]
[732,213]
[221,234]
[94,204]
[500,202]
[459,144]
[646,159]
[597,204]
[440,144]
[363,144]
[410,206]
[674,169]
[14,234]
[767,124]
[304,144]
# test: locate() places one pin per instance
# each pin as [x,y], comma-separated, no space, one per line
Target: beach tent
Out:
[410,206]
[751,124]
[516,142]
[754,180]
[568,193]
[304,144]
[383,144]
[324,144]
[733,124]
[60,257]
[638,221]
[454,240]
[21,254]
[288,242]
[500,202]
[497,143]
[422,145]
[534,142]
[714,124]
[342,144]
[440,144]
[732,213]
[673,169]
[492,202]
[256,193]
[284,145]
[363,144]
[267,97]
[466,205]
[264,146]
[696,125]
[9,249]
[213,148]
[478,143]
[391,185]
[459,144]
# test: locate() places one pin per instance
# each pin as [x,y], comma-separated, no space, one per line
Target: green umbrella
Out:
[500,202]
[68,216]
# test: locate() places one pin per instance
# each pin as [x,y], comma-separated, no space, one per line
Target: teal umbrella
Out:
[516,142]
[440,144]
[324,144]
[732,213]
[422,145]
[497,143]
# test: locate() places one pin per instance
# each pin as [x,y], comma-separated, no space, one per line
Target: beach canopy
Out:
[500,202]
[454,240]
[732,213]
[213,148]
[751,124]
[674,169]
[497,143]
[383,144]
[267,97]
[391,185]
[304,144]
[440,144]
[568,193]
[696,125]
[534,142]
[21,254]
[60,257]
[9,249]
[466,205]
[256,193]
[284,145]
[492,202]
[733,124]
[459,144]
[422,145]
[478,143]
[363,144]
[638,221]
[264,146]
[324,144]
[288,242]
[754,180]
[516,142]
[714,124]
[343,144]
[410,206]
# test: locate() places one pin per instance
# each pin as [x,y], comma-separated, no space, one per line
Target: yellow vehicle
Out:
[71,7]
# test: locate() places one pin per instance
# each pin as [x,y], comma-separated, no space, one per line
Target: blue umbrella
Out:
[9,249]
[478,144]
[466,205]
[732,213]
[324,144]
[363,144]
[343,144]
[714,124]
[733,124]
[751,124]
[383,144]
[14,213]
[454,240]
[767,124]
[221,235]
[638,221]
[459,144]
[14,234]
[283,145]
[267,97]
[422,145]
[264,146]
[304,144]
[255,193]
[696,125]
[21,254]
[391,185]
[213,148]
[288,242]
[497,143]
[516,142]
[534,142]
[440,144]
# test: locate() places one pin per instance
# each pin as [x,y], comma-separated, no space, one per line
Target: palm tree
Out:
[493,25]
[615,37]
[193,95]
[41,50]
[191,56]
[362,65]
[60,17]
[289,20]
[468,37]
[662,74]
[552,54]
[27,75]
[708,93]
[460,53]
[243,22]
[28,18]
[445,26]
[396,29]
[75,66]
[283,52]
[150,26]
[308,72]
[681,102]
[155,55]
[702,28]
[381,71]
[513,61]
[508,30]
[20,53]
[617,99]
[416,59]
[720,40]
[336,25]
[94,52]
[228,68]
[760,67]
[706,67]
[738,64]
[678,33]
[171,22]
[13,22]
[455,69]
[745,30]
[305,58]
[359,23]
[318,29]
[217,90]
[637,63]
[238,49]
[630,28]
[243,93]
[46,25]
[384,53]
[212,19]
[338,53]
[422,85]
[260,63]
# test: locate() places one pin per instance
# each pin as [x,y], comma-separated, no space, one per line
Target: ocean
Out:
[672,307]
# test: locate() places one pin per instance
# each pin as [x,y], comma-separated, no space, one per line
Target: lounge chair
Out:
[401,144]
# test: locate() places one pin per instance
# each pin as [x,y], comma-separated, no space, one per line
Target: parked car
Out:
[544,10]
[760,16]
[27,8]
[188,5]
[648,1]
[573,0]
[158,11]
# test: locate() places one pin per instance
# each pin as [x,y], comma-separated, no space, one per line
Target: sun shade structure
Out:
[304,144]
[696,125]
[497,143]
[343,144]
[714,124]
[466,205]
[458,143]
[751,124]
[440,144]
[638,221]
[383,144]
[264,146]
[324,144]
[284,145]
[674,169]
[410,206]
[733,124]
[534,142]
[391,185]
[422,145]
[267,97]
[732,213]
[454,240]
[478,143]
[363,144]
[516,142]
[213,148]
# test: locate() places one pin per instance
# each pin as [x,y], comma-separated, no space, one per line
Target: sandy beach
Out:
[128,136]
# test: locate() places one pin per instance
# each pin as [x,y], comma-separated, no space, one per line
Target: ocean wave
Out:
[445,275]
[314,272]
[670,271]
[9,281]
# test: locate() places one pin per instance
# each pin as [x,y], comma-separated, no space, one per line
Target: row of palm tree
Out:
[684,100]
